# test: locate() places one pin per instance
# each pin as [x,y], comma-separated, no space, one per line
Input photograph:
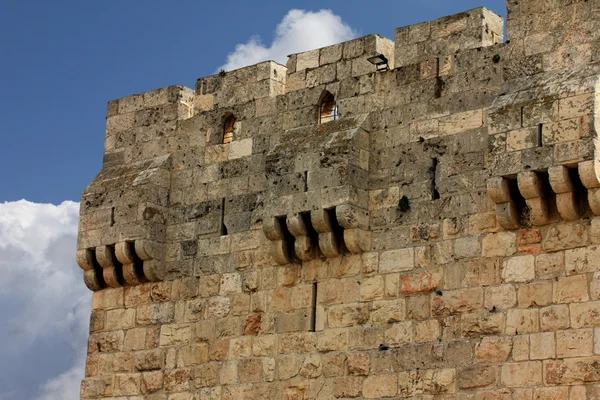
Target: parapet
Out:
[266,79]
[472,29]
[337,62]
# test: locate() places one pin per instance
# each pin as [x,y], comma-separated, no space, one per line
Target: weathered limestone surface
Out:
[438,241]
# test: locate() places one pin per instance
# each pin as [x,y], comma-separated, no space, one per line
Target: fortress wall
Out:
[438,241]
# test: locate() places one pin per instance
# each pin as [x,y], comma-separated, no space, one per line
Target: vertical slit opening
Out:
[306,181]
[112,216]
[522,118]
[540,137]
[313,314]
[223,226]
[435,194]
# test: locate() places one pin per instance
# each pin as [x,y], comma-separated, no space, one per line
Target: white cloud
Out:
[298,31]
[44,304]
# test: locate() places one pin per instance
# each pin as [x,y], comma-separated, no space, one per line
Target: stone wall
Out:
[438,241]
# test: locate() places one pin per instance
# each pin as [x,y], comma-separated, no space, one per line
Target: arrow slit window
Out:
[228,127]
[328,110]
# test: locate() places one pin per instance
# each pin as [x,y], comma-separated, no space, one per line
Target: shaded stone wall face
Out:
[438,241]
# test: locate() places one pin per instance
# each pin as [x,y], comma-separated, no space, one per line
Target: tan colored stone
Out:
[542,346]
[522,374]
[573,289]
[535,294]
[574,343]
[501,297]
[427,331]
[501,244]
[554,318]
[519,322]
[397,261]
[493,349]
[379,386]
[519,269]
[372,288]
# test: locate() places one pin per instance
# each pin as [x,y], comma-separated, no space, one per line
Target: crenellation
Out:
[329,230]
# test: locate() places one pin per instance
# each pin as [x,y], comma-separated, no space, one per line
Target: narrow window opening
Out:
[439,82]
[328,110]
[223,226]
[306,181]
[435,194]
[228,128]
[540,137]
[522,119]
[112,216]
[313,314]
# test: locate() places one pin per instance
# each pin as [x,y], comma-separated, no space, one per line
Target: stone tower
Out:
[333,229]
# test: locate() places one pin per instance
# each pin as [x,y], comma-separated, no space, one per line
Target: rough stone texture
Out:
[438,241]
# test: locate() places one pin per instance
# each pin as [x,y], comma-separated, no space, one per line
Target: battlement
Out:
[333,228]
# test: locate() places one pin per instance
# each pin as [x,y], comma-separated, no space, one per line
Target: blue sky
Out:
[63,60]
[60,63]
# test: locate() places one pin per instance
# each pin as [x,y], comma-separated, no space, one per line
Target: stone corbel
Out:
[531,189]
[562,185]
[328,244]
[86,260]
[506,210]
[355,222]
[589,179]
[279,247]
[106,258]
[123,264]
[303,247]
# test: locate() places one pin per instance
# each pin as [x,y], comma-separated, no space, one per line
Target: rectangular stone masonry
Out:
[331,230]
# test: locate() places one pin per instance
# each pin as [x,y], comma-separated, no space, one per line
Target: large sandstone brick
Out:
[554,318]
[347,315]
[565,236]
[477,377]
[493,349]
[519,322]
[457,301]
[535,294]
[428,382]
[519,269]
[380,386]
[572,371]
[422,282]
[573,289]
[522,374]
[574,343]
[350,386]
[585,314]
[388,311]
[542,346]
[501,297]
[397,261]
